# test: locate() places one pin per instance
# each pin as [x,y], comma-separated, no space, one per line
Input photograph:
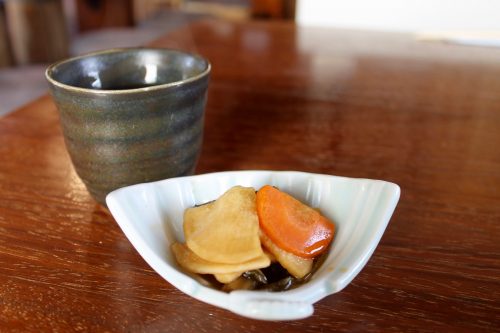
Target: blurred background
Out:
[35,33]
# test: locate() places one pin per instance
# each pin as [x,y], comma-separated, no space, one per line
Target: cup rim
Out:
[50,68]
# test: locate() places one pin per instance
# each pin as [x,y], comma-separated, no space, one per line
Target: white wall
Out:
[401,15]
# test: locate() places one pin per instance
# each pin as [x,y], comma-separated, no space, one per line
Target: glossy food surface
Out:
[293,225]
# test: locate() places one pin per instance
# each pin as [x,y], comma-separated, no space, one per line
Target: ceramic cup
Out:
[130,115]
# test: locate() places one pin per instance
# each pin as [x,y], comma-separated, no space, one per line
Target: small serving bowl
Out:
[151,216]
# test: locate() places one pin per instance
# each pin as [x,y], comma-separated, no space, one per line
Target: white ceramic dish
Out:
[150,215]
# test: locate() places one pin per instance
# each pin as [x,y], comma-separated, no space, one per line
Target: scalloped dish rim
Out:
[361,215]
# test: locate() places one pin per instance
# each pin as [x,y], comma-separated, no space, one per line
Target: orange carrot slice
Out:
[292,225]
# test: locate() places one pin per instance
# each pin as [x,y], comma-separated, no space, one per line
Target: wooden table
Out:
[423,115]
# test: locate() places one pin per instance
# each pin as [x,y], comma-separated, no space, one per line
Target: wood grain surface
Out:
[425,116]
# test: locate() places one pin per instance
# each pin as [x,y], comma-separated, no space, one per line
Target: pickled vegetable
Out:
[193,263]
[295,265]
[226,230]
[292,225]
[254,241]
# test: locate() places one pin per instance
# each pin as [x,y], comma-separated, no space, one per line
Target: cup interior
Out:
[123,69]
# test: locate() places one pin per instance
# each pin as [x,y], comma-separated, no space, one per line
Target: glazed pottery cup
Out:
[130,115]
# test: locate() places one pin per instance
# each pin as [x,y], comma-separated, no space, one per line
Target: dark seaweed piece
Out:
[275,272]
[280,285]
[208,280]
[256,275]
[239,284]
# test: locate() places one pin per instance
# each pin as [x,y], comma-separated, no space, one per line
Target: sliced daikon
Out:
[227,277]
[226,230]
[193,263]
[295,265]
